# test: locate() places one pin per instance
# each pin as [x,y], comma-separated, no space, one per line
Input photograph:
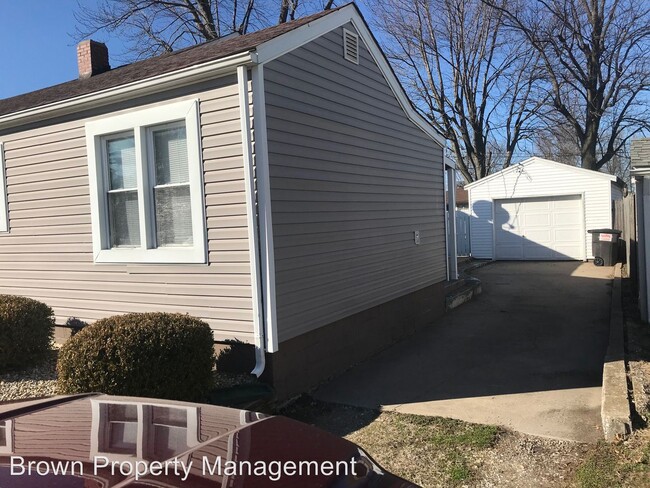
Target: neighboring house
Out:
[540,210]
[278,185]
[640,172]
[462,197]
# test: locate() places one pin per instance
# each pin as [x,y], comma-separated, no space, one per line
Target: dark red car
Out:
[94,440]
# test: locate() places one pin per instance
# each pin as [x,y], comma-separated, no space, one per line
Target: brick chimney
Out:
[92,58]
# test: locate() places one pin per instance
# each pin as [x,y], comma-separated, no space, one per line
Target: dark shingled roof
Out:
[165,63]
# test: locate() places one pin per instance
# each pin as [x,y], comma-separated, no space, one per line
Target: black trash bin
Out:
[604,246]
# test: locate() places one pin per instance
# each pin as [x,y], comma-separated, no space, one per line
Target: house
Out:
[540,210]
[278,185]
[640,172]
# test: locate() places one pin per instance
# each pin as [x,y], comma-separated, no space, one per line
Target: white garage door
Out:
[548,228]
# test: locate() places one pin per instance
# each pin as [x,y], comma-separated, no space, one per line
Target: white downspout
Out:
[251,214]
[265,219]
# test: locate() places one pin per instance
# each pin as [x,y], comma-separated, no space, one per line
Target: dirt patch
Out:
[521,460]
[32,382]
[439,452]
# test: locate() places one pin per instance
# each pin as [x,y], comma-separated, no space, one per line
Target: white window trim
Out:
[138,122]
[4,207]
[8,448]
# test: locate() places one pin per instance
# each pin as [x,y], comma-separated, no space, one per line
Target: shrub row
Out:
[157,355]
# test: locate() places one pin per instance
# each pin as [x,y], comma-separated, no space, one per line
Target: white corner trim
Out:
[451,205]
[136,122]
[251,217]
[4,210]
[285,43]
[447,215]
[154,84]
[264,210]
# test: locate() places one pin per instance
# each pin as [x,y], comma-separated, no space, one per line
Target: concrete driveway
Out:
[526,354]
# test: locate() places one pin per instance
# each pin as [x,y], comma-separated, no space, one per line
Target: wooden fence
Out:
[625,220]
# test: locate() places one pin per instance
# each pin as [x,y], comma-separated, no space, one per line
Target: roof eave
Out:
[532,160]
[154,84]
[274,48]
[640,171]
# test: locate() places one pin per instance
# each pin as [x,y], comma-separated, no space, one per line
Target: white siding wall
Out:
[536,179]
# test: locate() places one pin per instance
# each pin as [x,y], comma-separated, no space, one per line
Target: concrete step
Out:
[461,291]
[472,264]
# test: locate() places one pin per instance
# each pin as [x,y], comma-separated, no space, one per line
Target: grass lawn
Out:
[440,452]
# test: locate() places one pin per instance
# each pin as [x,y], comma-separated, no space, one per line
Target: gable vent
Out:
[351,46]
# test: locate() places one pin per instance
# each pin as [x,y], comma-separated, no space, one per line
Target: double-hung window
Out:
[146,186]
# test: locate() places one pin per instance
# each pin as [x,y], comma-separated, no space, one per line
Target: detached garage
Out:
[540,210]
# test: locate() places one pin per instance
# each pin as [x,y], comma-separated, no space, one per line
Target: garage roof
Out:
[535,159]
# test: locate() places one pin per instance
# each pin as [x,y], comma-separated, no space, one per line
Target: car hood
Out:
[93,441]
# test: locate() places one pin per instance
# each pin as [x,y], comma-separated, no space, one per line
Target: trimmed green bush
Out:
[26,331]
[158,355]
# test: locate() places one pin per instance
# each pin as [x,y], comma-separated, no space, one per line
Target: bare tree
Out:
[595,52]
[475,86]
[558,143]
[152,27]
[287,9]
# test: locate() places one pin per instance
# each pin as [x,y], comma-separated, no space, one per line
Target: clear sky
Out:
[36,49]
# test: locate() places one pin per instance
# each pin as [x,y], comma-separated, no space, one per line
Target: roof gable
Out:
[140,70]
[260,47]
[541,161]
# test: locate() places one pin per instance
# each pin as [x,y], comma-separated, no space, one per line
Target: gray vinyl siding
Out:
[48,253]
[351,179]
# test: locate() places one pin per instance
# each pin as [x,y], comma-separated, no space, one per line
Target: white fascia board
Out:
[155,84]
[641,171]
[598,174]
[535,159]
[296,38]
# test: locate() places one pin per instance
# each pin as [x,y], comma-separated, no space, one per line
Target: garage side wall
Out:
[352,179]
[537,179]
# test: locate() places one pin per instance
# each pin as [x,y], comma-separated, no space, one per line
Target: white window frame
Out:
[8,447]
[4,207]
[99,427]
[139,122]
